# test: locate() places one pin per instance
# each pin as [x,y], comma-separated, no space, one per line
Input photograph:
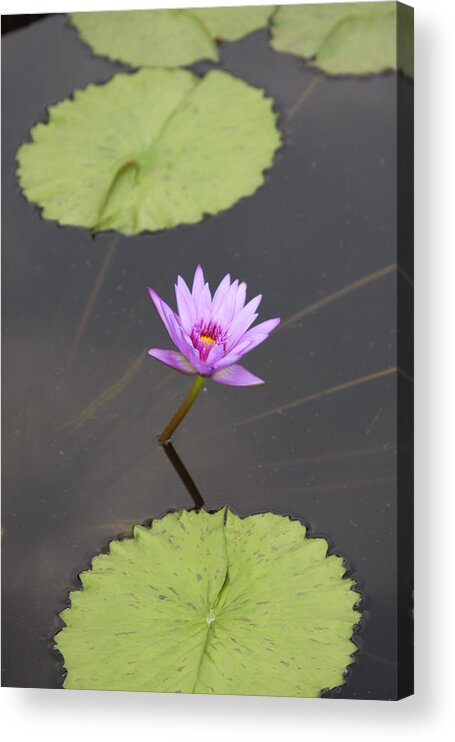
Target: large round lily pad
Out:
[347,38]
[212,603]
[166,38]
[149,150]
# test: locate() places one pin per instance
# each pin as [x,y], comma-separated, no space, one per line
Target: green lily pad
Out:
[166,38]
[212,603]
[149,151]
[347,38]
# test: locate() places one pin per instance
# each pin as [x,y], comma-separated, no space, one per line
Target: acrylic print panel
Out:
[208,488]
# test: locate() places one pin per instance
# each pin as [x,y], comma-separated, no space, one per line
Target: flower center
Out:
[207,339]
[205,336]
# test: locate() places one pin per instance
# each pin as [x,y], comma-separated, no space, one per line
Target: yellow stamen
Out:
[206,339]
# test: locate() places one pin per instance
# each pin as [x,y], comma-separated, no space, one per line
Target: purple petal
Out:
[167,315]
[174,359]
[228,361]
[236,376]
[202,367]
[192,355]
[242,348]
[198,284]
[230,358]
[225,313]
[215,354]
[185,305]
[258,333]
[240,298]
[234,339]
[220,294]
[242,321]
[247,342]
[204,305]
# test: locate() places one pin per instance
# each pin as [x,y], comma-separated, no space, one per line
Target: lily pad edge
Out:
[48,119]
[76,585]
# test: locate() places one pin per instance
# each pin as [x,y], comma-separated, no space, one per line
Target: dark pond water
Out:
[82,401]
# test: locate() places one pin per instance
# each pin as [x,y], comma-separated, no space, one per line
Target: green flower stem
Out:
[182,411]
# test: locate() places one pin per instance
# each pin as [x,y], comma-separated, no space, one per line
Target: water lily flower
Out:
[211,334]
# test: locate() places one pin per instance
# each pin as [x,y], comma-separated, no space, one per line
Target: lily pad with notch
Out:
[149,151]
[347,38]
[166,38]
[212,603]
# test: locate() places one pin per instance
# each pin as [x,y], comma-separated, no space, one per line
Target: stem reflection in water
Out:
[183,474]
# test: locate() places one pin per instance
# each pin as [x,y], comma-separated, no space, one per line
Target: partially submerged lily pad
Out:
[212,603]
[347,38]
[166,38]
[149,150]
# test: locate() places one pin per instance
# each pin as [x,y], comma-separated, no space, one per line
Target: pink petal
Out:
[167,315]
[189,351]
[231,358]
[174,359]
[236,376]
[204,306]
[198,284]
[225,313]
[241,349]
[240,298]
[215,353]
[185,305]
[251,339]
[203,368]
[220,294]
[258,333]
[242,321]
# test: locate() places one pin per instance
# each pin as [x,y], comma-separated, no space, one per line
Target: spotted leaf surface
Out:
[149,151]
[347,38]
[166,38]
[212,603]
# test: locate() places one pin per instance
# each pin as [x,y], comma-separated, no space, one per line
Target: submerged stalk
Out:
[182,411]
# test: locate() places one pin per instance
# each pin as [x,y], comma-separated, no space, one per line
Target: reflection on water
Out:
[183,474]
[83,403]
